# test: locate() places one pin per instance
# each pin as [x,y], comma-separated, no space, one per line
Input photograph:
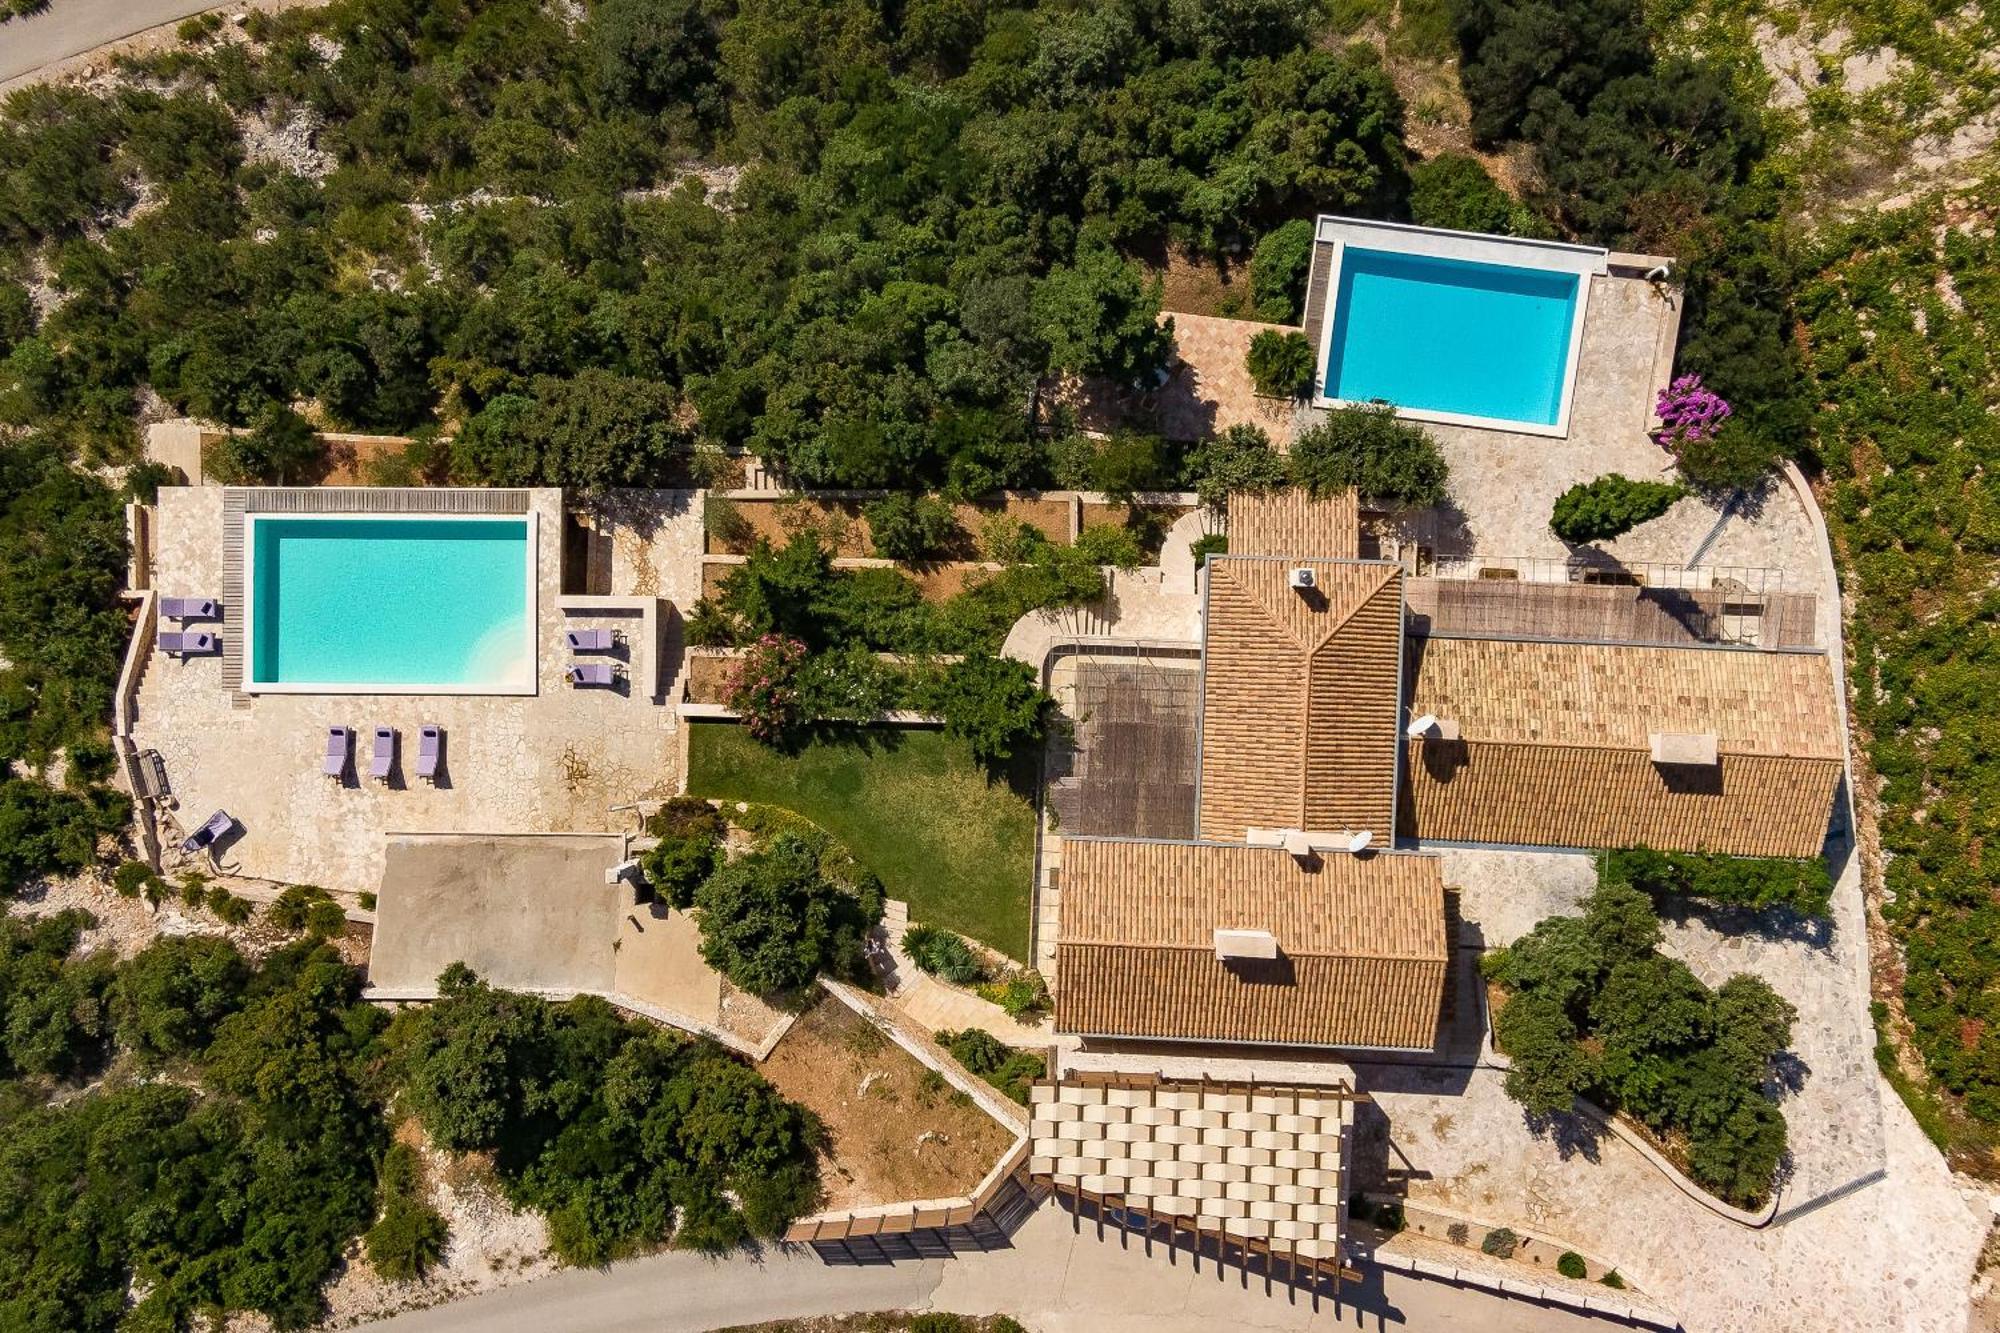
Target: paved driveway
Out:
[71,27]
[1055,1279]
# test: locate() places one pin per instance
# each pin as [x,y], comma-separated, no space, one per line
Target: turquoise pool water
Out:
[390,601]
[1450,335]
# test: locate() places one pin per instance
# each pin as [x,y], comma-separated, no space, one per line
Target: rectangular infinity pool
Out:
[1488,344]
[404,605]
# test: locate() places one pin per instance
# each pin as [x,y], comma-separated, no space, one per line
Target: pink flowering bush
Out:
[763,686]
[1689,413]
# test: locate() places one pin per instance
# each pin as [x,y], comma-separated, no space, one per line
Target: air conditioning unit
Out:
[1303,578]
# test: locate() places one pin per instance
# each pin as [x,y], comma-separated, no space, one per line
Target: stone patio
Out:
[558,760]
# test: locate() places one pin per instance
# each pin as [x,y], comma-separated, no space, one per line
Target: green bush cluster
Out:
[1904,379]
[1372,450]
[986,1056]
[1594,1010]
[1729,881]
[624,1134]
[1595,511]
[409,1235]
[1501,1242]
[308,908]
[1280,363]
[938,204]
[46,831]
[910,528]
[1237,458]
[233,1186]
[943,954]
[1022,994]
[690,833]
[1571,1265]
[775,918]
[1597,106]
[1453,190]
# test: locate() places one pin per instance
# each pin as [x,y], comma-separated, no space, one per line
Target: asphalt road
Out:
[1055,1280]
[71,27]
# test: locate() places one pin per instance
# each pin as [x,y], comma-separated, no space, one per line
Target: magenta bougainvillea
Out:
[1688,413]
[763,686]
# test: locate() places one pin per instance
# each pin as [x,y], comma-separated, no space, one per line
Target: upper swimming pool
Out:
[402,605]
[1443,334]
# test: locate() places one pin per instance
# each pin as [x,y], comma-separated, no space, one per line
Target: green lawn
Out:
[912,805]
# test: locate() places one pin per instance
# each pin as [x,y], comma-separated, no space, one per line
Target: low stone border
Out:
[630,1004]
[1534,1291]
[932,1056]
[1417,1213]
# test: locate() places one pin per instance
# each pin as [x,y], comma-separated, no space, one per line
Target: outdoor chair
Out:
[593,640]
[204,837]
[594,673]
[339,747]
[187,643]
[189,608]
[384,757]
[430,749]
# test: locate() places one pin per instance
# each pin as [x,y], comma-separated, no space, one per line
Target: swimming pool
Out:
[1450,327]
[390,605]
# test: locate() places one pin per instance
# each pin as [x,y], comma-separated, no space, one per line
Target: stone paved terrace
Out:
[554,761]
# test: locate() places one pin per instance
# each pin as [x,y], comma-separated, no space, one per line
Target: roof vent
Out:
[1685,747]
[1303,578]
[1245,944]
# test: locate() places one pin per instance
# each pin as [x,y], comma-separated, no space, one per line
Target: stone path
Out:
[938,1007]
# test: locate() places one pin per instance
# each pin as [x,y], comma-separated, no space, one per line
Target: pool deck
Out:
[555,761]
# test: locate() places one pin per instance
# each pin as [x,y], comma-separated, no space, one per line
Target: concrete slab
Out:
[524,912]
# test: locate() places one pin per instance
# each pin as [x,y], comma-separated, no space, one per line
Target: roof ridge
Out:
[1378,955]
[1385,573]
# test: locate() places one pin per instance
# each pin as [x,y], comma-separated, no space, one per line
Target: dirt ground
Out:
[898,1131]
[843,527]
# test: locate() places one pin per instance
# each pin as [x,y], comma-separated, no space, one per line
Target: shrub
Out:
[294,907]
[994,704]
[690,833]
[940,1322]
[280,448]
[44,830]
[409,1236]
[1280,363]
[1500,1242]
[228,908]
[1457,1233]
[1373,451]
[1278,270]
[1613,1280]
[1022,994]
[133,878]
[1602,509]
[1688,413]
[985,1055]
[194,888]
[1208,544]
[1736,881]
[722,519]
[773,920]
[910,528]
[940,953]
[1571,1265]
[1110,544]
[763,687]
[325,919]
[1453,190]
[1128,463]
[1237,459]
[1736,456]
[88,761]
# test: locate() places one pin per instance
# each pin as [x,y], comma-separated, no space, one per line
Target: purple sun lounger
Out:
[430,749]
[339,747]
[204,837]
[186,643]
[593,673]
[591,640]
[384,757]
[189,608]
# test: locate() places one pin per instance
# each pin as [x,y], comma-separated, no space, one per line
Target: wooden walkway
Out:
[1609,613]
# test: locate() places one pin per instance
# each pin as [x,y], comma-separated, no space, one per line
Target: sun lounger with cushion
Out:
[430,749]
[384,757]
[339,747]
[187,643]
[593,673]
[189,608]
[218,824]
[592,640]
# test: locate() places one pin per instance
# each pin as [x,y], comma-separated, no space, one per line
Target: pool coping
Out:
[1581,261]
[523,687]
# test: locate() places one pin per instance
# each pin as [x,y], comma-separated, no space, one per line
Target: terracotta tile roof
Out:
[1291,523]
[1300,697]
[1361,940]
[1618,694]
[1554,747]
